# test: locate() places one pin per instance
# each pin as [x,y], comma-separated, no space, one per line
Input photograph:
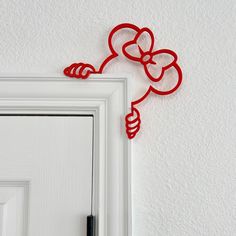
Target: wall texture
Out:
[184,160]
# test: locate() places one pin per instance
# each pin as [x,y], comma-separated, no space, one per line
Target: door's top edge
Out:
[60,77]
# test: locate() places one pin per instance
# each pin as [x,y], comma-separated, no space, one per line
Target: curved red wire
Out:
[145,58]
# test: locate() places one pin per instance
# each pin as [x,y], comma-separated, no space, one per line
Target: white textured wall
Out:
[184,164]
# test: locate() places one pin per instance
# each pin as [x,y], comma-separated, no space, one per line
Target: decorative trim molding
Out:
[106,97]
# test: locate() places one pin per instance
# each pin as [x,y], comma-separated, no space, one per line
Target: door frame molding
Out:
[106,97]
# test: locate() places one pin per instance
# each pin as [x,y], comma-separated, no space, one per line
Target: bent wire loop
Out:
[135,50]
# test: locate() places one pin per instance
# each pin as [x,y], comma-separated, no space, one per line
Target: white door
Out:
[45,174]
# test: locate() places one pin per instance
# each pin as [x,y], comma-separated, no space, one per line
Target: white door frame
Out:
[106,98]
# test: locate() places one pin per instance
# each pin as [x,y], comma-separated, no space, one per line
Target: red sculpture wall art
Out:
[150,59]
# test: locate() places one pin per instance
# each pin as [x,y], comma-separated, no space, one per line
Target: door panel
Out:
[50,155]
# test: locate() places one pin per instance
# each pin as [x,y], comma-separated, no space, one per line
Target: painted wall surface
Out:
[184,159]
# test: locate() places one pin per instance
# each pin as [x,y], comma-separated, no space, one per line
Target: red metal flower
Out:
[154,65]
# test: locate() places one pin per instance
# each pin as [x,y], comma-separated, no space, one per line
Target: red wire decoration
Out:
[136,51]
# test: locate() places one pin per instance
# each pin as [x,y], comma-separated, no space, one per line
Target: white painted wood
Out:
[2,219]
[106,98]
[13,207]
[54,154]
